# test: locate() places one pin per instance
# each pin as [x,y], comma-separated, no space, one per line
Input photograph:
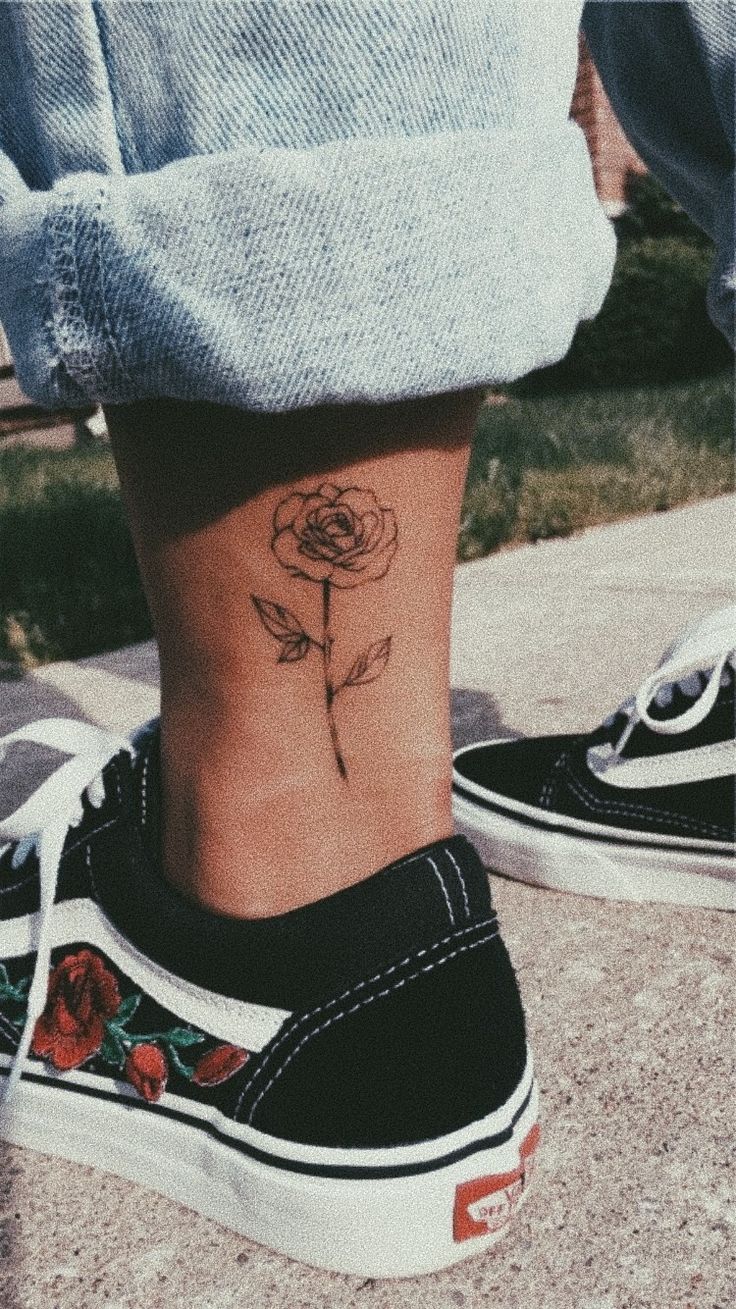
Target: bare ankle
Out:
[255,847]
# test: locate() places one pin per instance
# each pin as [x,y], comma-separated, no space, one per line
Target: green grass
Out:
[548,463]
[544,463]
[69,583]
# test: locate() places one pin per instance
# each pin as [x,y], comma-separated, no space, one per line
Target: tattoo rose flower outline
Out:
[336,537]
[343,537]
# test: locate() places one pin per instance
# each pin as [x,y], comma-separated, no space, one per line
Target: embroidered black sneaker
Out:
[640,809]
[348,1083]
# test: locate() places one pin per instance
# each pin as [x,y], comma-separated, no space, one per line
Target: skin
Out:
[258,816]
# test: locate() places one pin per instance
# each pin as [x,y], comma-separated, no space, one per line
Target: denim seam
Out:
[361,1004]
[108,335]
[128,153]
[68,321]
[46,282]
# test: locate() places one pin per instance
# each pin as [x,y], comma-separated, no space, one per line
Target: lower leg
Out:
[299,573]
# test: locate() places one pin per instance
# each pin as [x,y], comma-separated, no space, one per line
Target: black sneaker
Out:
[348,1083]
[640,809]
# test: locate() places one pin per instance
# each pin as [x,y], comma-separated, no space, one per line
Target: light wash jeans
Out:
[280,203]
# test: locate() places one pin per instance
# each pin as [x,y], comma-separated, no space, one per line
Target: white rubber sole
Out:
[447,1206]
[538,846]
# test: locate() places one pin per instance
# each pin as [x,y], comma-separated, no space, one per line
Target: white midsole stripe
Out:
[552,819]
[236,1021]
[490,1126]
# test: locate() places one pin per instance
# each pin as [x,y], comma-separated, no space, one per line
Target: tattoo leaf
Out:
[294,649]
[370,664]
[277,620]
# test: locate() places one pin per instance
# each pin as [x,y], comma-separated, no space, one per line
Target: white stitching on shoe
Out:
[144,788]
[345,1013]
[545,798]
[110,823]
[638,810]
[17,886]
[596,804]
[441,881]
[25,881]
[29,877]
[11,1032]
[5,890]
[352,990]
[550,786]
[410,859]
[461,880]
[88,863]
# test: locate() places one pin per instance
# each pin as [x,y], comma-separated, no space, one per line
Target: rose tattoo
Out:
[343,537]
[337,538]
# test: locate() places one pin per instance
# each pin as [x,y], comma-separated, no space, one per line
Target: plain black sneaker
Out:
[640,809]
[348,1083]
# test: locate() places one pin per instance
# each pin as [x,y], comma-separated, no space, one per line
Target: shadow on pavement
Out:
[476,717]
[26,765]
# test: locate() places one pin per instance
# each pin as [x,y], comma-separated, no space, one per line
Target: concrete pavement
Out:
[629,1007]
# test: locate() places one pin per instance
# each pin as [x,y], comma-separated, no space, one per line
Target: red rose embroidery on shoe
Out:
[84,1016]
[147,1070]
[219,1064]
[82,995]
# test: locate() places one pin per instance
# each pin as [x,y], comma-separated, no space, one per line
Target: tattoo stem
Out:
[329,688]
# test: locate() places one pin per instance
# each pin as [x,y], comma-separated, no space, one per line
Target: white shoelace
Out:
[703,651]
[42,822]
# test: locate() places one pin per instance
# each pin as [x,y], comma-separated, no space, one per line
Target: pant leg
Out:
[280,203]
[669,72]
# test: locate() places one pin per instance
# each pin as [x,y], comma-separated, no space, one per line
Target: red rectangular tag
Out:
[485,1204]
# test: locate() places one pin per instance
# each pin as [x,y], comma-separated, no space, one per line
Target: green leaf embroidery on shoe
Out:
[118,1045]
[18,992]
[182,1037]
[127,1009]
[185,1070]
[112,1049]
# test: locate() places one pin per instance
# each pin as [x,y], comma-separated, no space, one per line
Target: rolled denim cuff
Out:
[45,298]
[272,280]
